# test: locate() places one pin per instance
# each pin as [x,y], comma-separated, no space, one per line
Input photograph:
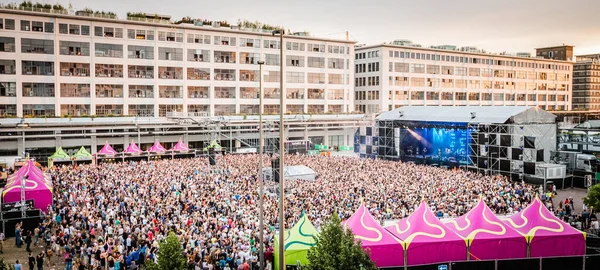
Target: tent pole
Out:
[405,258]
[528,249]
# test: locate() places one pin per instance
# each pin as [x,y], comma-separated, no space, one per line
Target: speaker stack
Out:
[275,168]
[212,159]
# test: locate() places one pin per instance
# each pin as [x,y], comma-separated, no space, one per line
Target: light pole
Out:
[281,32]
[260,169]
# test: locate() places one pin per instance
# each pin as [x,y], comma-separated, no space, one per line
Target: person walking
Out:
[18,266]
[39,259]
[31,261]
[28,241]
[18,236]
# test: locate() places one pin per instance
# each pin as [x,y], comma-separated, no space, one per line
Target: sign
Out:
[442,267]
[16,206]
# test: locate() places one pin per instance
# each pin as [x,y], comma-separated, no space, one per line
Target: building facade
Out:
[67,65]
[586,83]
[388,76]
[562,53]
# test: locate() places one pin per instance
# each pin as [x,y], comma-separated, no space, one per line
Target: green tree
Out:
[593,197]
[337,249]
[170,254]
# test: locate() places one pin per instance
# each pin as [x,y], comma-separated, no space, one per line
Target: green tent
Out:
[82,154]
[298,241]
[213,144]
[60,154]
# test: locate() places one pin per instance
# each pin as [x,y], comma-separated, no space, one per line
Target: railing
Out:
[34,9]
[140,19]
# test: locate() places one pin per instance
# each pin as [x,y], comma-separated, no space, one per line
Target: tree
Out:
[170,254]
[337,249]
[593,197]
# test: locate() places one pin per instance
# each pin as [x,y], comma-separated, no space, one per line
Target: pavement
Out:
[576,193]
[12,253]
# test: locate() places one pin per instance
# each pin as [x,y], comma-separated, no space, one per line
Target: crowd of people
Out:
[113,215]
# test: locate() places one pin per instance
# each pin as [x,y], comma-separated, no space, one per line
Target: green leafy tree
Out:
[337,249]
[170,254]
[593,197]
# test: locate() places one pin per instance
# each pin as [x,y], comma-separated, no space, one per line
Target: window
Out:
[198,73]
[316,78]
[433,69]
[140,52]
[294,61]
[447,70]
[109,91]
[417,68]
[460,96]
[316,93]
[473,84]
[460,71]
[448,83]
[417,82]
[224,74]
[294,93]
[8,89]
[417,95]
[225,41]
[338,63]
[225,110]
[38,68]
[141,91]
[170,91]
[39,110]
[249,75]
[198,92]
[295,77]
[225,57]
[38,89]
[272,59]
[37,26]
[109,50]
[224,92]
[295,46]
[460,84]
[271,92]
[25,25]
[249,109]
[198,39]
[249,93]
[316,62]
[173,54]
[109,32]
[249,58]
[531,97]
[197,55]
[249,42]
[74,29]
[433,82]
[401,67]
[175,73]
[41,46]
[474,96]
[74,109]
[150,35]
[74,48]
[316,48]
[141,110]
[335,94]
[85,30]
[140,72]
[335,78]
[271,44]
[474,71]
[486,96]
[316,109]
[432,95]
[7,67]
[9,24]
[335,49]
[272,76]
[75,69]
[74,90]
[447,96]
[7,44]
[109,109]
[109,70]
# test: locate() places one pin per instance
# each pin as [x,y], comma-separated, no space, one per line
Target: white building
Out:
[59,64]
[389,76]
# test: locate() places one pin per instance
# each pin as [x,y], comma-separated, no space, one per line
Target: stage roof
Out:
[462,114]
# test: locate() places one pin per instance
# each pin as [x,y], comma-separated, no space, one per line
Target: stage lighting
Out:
[473,115]
[401,113]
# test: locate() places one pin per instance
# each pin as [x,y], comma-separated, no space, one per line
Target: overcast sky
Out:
[496,26]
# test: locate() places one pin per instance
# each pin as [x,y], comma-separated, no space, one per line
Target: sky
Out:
[496,26]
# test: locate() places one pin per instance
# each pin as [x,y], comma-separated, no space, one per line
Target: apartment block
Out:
[586,82]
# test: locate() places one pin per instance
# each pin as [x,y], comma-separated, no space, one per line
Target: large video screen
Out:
[451,144]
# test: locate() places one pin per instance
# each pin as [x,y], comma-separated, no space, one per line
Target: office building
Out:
[586,83]
[563,53]
[388,76]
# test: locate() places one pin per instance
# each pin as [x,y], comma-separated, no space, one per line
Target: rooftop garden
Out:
[30,5]
[91,12]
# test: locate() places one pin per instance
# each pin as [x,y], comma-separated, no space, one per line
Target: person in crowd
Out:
[18,266]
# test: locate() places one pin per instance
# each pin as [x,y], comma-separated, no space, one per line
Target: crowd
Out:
[113,215]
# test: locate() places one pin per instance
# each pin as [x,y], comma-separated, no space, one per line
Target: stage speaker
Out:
[275,168]
[212,159]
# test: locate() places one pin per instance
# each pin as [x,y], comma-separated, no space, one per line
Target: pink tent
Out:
[157,148]
[547,235]
[133,149]
[107,150]
[180,147]
[488,237]
[38,186]
[385,249]
[427,240]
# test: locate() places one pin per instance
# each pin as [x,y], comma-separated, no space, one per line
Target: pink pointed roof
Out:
[547,234]
[133,148]
[157,148]
[107,150]
[386,250]
[180,146]
[35,179]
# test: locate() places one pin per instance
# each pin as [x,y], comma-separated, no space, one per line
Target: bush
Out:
[170,254]
[593,197]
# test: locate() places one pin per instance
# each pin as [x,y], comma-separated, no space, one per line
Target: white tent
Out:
[293,172]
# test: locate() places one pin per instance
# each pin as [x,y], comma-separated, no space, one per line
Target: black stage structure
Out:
[507,140]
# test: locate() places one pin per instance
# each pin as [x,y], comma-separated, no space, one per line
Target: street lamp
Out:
[260,169]
[281,32]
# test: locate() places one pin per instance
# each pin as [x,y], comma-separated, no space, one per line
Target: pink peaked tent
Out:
[107,150]
[38,186]
[385,249]
[157,148]
[427,240]
[488,237]
[547,235]
[133,149]
[180,147]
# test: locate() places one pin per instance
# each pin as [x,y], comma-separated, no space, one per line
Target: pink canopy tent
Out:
[157,148]
[107,150]
[133,149]
[385,249]
[38,186]
[488,237]
[180,147]
[547,235]
[427,240]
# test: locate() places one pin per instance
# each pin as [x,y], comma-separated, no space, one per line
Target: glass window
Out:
[38,89]
[271,92]
[170,91]
[225,57]
[316,62]
[141,91]
[25,25]
[140,52]
[7,67]
[141,110]
[174,54]
[37,26]
[225,110]
[224,92]
[74,29]
[249,92]
[295,77]
[170,73]
[417,68]
[249,75]
[335,78]
[433,69]
[74,48]
[38,68]
[143,72]
[271,44]
[318,78]
[39,110]
[7,44]
[9,24]
[314,93]
[249,58]
[75,69]
[74,90]
[295,93]
[109,90]
[41,46]
[109,70]
[294,61]
[85,30]
[8,89]
[75,109]
[335,94]
[337,63]
[224,74]
[197,55]
[198,74]
[272,76]
[272,59]
[109,50]
[316,48]
[198,92]
[109,109]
